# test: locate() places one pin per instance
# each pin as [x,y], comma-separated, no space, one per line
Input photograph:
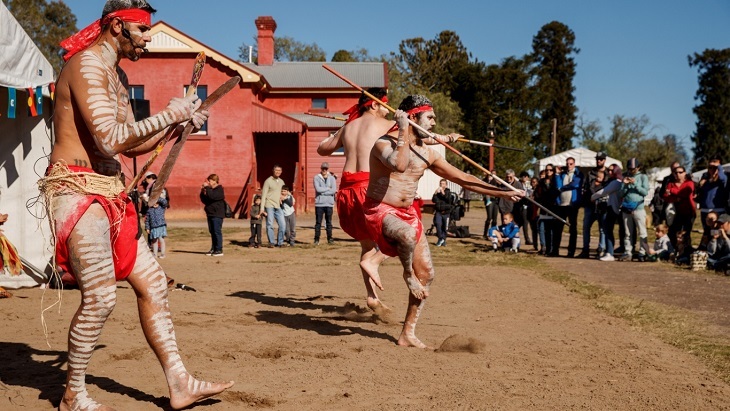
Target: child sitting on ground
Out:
[255,215]
[662,248]
[505,236]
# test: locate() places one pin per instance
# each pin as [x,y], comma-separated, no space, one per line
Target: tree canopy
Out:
[47,23]
[712,136]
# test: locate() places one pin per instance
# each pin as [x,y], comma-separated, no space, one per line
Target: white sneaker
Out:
[607,257]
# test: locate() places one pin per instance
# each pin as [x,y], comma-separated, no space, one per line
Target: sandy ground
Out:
[290,327]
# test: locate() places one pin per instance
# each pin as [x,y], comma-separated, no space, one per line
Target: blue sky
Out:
[633,58]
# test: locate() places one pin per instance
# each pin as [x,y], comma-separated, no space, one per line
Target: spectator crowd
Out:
[614,199]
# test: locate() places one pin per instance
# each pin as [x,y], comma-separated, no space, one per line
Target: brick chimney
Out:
[266,27]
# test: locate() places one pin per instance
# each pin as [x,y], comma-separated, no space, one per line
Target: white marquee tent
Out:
[584,158]
[25,142]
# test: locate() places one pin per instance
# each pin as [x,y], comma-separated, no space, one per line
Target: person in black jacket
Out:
[211,194]
[442,210]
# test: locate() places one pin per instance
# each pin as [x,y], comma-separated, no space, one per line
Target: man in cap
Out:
[633,190]
[398,160]
[590,214]
[325,188]
[94,222]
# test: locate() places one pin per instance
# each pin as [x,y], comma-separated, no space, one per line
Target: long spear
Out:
[326,116]
[432,135]
[482,143]
[466,140]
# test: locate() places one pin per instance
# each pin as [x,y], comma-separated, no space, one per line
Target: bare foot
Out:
[378,307]
[417,289]
[370,267]
[192,390]
[82,402]
[406,340]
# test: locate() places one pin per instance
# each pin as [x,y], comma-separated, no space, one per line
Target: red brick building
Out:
[260,123]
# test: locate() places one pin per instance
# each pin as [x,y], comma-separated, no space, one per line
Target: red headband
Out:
[84,38]
[419,109]
[354,111]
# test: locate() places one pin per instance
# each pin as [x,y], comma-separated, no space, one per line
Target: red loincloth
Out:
[123,234]
[350,200]
[376,211]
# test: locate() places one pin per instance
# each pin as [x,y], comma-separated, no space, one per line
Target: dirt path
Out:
[288,325]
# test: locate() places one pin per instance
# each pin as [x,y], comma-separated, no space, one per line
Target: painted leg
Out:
[424,274]
[91,259]
[370,260]
[150,286]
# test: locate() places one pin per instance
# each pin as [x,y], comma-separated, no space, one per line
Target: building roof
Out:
[317,121]
[306,75]
[266,120]
[167,39]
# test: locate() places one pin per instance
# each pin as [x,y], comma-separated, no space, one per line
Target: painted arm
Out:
[395,156]
[443,169]
[96,94]
[449,138]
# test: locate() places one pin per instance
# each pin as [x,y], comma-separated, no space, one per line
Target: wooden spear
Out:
[432,135]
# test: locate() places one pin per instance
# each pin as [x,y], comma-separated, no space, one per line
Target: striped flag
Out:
[32,110]
[39,99]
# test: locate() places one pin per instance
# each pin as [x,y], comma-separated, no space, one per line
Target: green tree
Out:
[553,70]
[431,64]
[632,137]
[712,136]
[353,56]
[498,99]
[47,23]
[286,49]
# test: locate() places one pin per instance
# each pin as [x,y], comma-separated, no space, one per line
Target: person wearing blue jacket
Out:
[633,190]
[325,187]
[570,184]
[712,194]
[506,235]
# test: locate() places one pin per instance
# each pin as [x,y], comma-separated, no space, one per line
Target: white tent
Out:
[584,158]
[25,143]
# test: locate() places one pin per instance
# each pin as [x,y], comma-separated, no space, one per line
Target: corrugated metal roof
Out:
[265,120]
[318,122]
[305,74]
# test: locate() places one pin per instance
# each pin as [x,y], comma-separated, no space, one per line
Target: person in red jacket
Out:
[680,194]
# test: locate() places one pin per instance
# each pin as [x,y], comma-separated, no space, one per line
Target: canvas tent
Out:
[25,143]
[584,158]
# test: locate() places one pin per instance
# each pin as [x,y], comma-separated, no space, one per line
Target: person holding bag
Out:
[212,195]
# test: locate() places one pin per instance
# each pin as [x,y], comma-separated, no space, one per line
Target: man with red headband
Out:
[397,162]
[93,221]
[365,124]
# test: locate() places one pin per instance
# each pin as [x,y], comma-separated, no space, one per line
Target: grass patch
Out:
[677,327]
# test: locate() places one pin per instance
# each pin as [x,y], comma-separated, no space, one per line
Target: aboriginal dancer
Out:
[365,124]
[94,223]
[398,160]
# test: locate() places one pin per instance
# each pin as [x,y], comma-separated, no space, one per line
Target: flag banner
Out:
[39,99]
[32,111]
[12,102]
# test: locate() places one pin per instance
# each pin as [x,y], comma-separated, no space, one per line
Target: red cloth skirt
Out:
[350,199]
[376,211]
[123,235]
